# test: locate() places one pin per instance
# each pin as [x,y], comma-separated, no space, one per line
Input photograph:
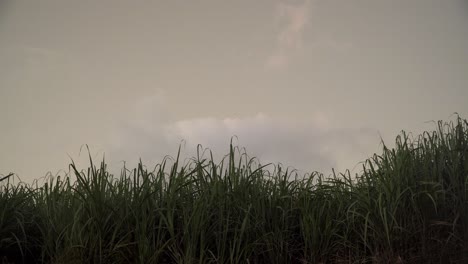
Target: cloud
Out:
[307,145]
[294,18]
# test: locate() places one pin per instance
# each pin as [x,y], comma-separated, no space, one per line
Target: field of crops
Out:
[407,205]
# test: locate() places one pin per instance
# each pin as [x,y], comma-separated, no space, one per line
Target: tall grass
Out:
[408,205]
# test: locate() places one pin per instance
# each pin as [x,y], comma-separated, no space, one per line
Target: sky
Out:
[311,84]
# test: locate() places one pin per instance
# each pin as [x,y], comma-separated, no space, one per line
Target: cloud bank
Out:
[308,145]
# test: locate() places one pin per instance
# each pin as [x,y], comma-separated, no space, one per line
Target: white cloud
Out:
[308,145]
[294,18]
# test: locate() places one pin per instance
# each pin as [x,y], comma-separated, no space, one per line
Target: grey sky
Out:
[306,83]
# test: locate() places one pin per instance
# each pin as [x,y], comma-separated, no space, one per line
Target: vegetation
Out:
[408,205]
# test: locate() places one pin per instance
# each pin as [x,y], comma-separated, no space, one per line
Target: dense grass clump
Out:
[408,205]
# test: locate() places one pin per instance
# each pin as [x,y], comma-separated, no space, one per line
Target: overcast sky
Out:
[310,84]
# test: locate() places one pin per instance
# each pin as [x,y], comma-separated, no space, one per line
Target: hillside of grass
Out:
[407,205]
